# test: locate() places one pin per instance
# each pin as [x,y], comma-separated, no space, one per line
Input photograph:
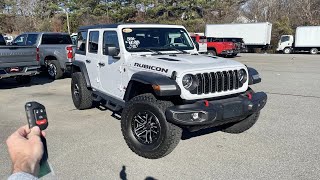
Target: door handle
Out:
[101,64]
[88,61]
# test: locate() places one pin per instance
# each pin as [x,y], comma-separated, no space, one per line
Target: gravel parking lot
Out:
[284,143]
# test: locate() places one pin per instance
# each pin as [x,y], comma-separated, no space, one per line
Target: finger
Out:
[43,133]
[35,131]
[22,131]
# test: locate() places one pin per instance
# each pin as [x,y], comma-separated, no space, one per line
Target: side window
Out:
[32,39]
[81,41]
[20,40]
[93,41]
[110,38]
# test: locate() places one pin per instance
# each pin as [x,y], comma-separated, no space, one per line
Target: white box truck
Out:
[307,39]
[255,35]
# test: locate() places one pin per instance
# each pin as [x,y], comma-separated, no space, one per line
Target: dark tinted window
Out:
[31,39]
[93,41]
[56,39]
[2,41]
[81,41]
[111,37]
[285,38]
[20,40]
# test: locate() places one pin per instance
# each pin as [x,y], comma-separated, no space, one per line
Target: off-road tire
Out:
[170,134]
[54,70]
[314,51]
[84,99]
[23,79]
[287,50]
[212,52]
[242,126]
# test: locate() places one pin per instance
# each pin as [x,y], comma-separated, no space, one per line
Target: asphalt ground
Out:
[283,144]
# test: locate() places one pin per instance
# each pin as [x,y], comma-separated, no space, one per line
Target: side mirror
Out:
[111,50]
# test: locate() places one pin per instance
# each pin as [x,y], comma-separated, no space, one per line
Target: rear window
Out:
[56,39]
[2,41]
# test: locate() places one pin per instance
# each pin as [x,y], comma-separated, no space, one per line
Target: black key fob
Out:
[37,116]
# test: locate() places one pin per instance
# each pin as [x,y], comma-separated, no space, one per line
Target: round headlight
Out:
[242,74]
[187,81]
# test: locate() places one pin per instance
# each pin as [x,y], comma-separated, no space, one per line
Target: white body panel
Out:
[113,78]
[252,33]
[307,36]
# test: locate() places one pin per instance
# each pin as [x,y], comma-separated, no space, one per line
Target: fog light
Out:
[195,116]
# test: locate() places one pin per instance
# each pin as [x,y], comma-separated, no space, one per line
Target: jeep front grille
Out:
[217,82]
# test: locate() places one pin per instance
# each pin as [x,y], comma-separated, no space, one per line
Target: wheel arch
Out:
[78,66]
[149,82]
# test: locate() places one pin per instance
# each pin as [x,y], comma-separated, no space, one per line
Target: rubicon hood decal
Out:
[154,68]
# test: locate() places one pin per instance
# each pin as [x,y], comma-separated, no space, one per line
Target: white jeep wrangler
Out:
[154,77]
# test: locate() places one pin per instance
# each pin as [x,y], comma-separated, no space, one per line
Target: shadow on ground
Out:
[123,175]
[186,134]
[11,83]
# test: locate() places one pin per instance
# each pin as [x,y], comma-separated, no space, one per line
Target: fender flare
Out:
[254,77]
[79,65]
[161,84]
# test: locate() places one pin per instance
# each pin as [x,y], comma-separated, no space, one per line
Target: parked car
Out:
[154,76]
[56,50]
[307,39]
[217,47]
[255,35]
[74,37]
[18,62]
[240,44]
[8,39]
[202,42]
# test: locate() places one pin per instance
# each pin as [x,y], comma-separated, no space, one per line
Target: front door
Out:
[111,67]
[93,57]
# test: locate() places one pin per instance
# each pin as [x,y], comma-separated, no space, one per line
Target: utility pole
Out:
[68,23]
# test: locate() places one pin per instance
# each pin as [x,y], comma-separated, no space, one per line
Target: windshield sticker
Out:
[133,42]
[127,30]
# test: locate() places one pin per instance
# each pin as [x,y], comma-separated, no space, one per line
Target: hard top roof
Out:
[101,26]
[45,33]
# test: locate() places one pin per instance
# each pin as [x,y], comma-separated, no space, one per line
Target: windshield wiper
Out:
[176,49]
[147,49]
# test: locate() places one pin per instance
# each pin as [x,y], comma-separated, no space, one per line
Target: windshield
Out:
[285,38]
[139,39]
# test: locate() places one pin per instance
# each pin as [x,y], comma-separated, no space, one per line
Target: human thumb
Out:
[35,131]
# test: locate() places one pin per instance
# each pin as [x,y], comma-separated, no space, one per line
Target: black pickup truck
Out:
[19,62]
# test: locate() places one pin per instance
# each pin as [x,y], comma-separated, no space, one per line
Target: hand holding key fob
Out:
[37,116]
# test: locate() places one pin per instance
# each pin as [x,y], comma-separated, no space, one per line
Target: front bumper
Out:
[216,112]
[230,52]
